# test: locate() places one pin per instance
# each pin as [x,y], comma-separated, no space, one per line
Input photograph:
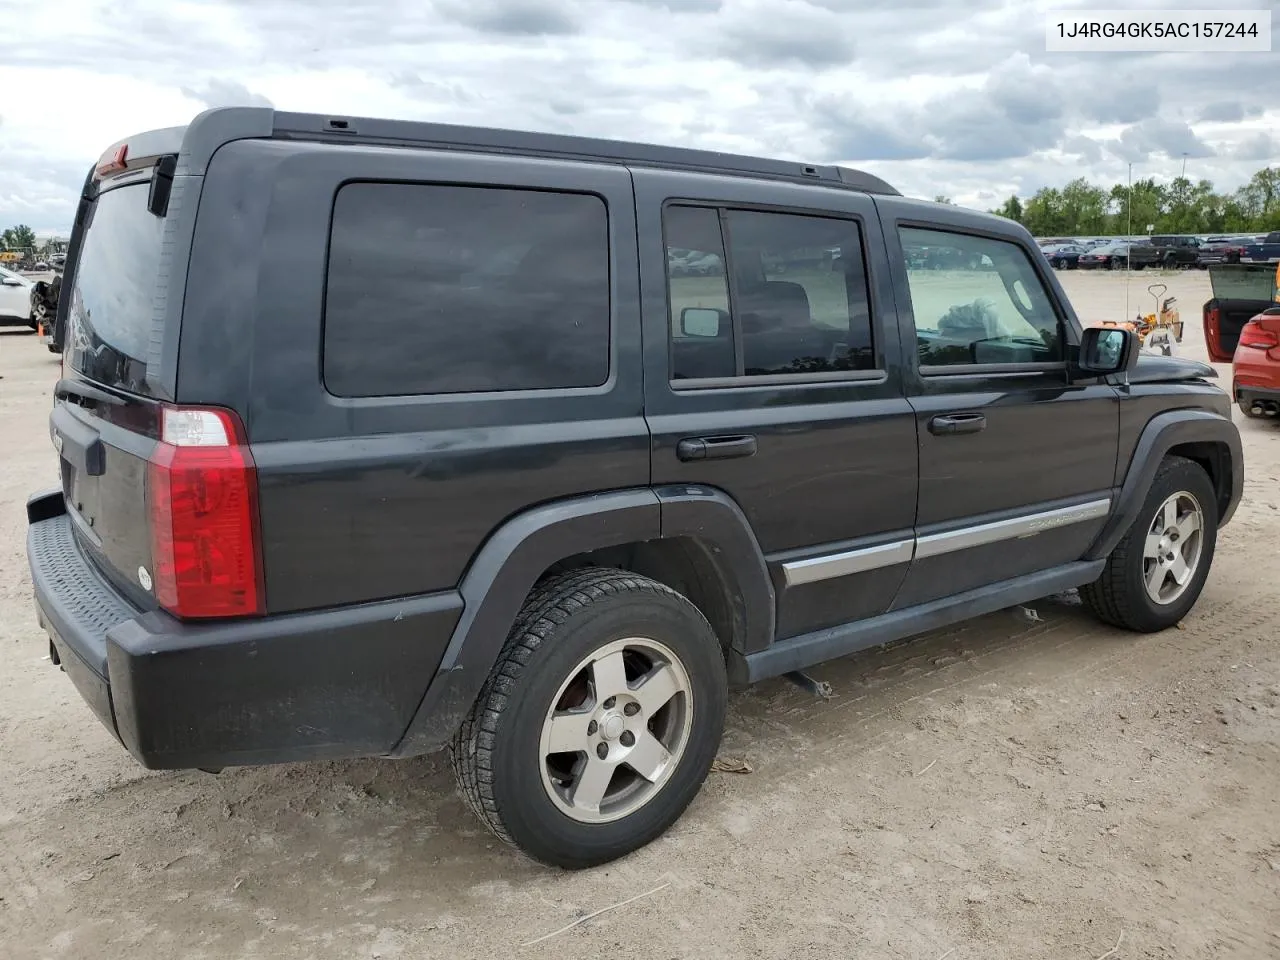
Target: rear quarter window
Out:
[445,289]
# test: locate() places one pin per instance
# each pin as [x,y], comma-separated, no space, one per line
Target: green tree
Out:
[1011,209]
[941,198]
[1260,199]
[1084,207]
[1148,205]
[1043,213]
[20,237]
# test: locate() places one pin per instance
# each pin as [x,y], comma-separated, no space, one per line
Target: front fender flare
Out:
[1161,434]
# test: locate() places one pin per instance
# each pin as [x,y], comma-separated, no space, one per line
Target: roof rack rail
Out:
[306,126]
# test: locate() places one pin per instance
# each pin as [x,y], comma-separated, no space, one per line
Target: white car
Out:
[15,299]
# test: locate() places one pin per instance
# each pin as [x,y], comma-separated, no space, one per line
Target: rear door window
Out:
[112,300]
[794,302]
[436,289]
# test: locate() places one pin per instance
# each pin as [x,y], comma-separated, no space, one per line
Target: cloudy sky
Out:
[956,97]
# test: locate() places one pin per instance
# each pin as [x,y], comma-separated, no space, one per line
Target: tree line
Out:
[1086,209]
[20,237]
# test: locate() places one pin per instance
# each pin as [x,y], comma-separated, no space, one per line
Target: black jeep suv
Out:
[377,437]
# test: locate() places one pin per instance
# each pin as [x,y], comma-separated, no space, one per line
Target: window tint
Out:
[112,299]
[980,303]
[797,303]
[442,289]
[701,331]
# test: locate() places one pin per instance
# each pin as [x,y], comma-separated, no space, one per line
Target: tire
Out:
[500,753]
[1120,596]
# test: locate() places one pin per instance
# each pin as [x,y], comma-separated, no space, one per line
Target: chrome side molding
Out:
[846,562]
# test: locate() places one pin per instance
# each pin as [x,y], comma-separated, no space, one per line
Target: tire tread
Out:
[1109,597]
[549,606]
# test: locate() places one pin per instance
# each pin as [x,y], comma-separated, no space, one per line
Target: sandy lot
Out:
[1014,788]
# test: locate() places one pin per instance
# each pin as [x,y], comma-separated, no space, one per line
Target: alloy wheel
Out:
[616,730]
[1173,547]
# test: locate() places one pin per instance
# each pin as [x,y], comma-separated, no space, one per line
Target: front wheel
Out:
[1156,572]
[599,721]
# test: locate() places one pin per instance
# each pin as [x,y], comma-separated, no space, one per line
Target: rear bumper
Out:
[1254,376]
[320,685]
[1252,386]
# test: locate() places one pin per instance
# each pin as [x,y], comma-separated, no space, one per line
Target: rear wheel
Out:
[1156,572]
[599,721]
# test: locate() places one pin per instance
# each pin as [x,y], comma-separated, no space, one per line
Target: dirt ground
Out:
[1018,787]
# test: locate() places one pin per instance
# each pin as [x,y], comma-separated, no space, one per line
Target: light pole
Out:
[1128,250]
[1184,165]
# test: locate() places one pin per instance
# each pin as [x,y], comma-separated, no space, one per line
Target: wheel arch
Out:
[1206,438]
[694,539]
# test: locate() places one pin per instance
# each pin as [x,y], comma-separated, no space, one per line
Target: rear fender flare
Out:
[1161,434]
[496,584]
[712,519]
[522,549]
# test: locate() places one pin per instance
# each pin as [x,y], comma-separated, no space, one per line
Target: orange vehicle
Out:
[1157,330]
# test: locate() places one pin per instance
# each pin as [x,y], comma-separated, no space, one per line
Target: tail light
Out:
[203,510]
[113,161]
[1253,334]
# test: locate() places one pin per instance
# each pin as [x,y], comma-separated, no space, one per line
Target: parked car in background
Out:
[1241,292]
[1220,250]
[15,300]
[1265,251]
[1111,256]
[1167,252]
[1063,256]
[1255,366]
[1242,325]
[44,310]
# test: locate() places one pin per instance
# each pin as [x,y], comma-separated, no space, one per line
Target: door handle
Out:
[716,448]
[957,423]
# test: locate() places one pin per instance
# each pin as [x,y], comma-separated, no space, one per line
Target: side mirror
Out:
[702,321]
[1107,350]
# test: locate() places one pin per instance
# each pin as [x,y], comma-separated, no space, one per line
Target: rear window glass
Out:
[112,299]
[445,289]
[1244,281]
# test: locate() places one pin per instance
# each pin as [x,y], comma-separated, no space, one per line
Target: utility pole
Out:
[1128,251]
[1184,165]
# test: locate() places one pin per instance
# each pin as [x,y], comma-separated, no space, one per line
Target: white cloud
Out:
[956,97]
